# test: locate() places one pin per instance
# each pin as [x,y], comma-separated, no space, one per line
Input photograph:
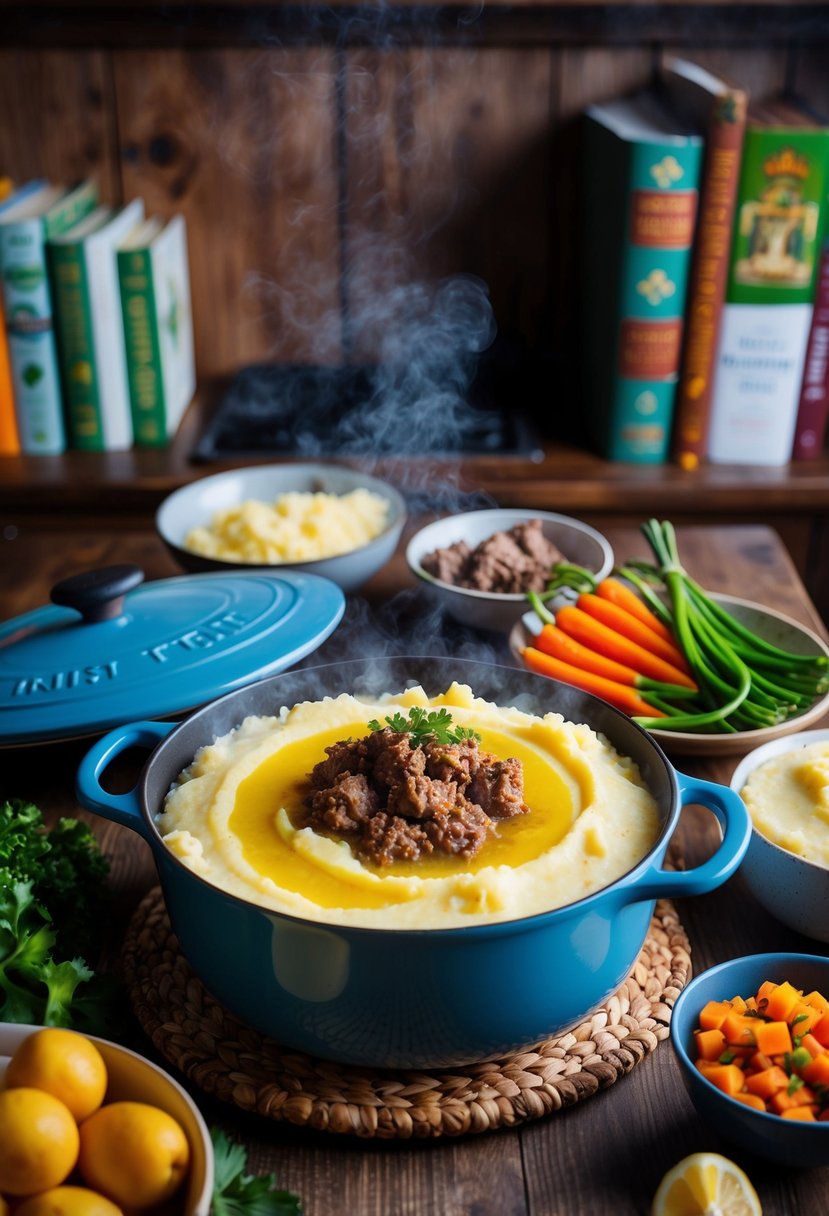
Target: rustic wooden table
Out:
[603,1156]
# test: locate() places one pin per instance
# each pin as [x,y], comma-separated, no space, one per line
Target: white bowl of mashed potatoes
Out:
[328,519]
[785,787]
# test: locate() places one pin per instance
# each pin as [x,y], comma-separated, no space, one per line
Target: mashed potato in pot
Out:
[298,527]
[236,817]
[788,800]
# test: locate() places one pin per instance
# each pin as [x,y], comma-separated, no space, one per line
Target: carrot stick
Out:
[623,596]
[559,645]
[555,642]
[597,636]
[620,620]
[621,695]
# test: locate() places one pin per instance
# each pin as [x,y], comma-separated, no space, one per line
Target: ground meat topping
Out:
[399,800]
[515,561]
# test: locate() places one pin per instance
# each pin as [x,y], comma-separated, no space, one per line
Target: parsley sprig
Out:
[236,1193]
[434,727]
[53,906]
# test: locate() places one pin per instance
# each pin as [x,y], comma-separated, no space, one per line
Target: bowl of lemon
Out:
[90,1128]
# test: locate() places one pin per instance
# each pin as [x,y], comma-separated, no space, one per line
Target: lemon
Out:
[135,1154]
[68,1201]
[38,1141]
[63,1063]
[705,1184]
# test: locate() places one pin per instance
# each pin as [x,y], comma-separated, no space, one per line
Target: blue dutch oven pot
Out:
[411,998]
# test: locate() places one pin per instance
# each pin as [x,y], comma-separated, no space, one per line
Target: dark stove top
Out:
[357,410]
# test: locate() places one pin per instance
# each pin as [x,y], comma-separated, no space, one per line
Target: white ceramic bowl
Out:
[782,631]
[133,1078]
[497,610]
[196,503]
[794,890]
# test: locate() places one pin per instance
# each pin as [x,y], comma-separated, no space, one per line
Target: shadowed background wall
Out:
[327,158]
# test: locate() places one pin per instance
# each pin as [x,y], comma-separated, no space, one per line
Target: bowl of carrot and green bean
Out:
[705,674]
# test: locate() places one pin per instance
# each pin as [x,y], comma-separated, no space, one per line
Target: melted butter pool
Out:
[557,786]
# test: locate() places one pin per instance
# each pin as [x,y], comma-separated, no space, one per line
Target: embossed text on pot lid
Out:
[112,649]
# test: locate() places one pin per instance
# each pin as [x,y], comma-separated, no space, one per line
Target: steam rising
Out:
[414,397]
[428,337]
[405,624]
[404,641]
[370,298]
[404,342]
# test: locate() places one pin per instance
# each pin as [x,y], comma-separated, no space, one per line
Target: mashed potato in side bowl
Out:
[785,786]
[326,519]
[300,526]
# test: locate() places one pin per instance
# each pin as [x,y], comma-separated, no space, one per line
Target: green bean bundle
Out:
[745,682]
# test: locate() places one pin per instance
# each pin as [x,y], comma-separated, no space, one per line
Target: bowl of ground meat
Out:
[479,565]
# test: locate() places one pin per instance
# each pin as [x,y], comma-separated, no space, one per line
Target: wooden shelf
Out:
[567,478]
[78,489]
[206,23]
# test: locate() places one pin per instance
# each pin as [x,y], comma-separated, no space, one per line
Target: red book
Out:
[719,110]
[813,410]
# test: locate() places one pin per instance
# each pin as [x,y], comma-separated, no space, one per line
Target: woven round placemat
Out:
[232,1062]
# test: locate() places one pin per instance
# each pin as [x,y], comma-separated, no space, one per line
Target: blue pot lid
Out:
[112,649]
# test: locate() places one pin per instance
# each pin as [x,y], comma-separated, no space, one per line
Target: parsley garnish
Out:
[795,1083]
[434,727]
[236,1193]
[801,1056]
[53,904]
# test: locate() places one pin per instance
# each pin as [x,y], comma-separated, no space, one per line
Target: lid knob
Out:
[98,595]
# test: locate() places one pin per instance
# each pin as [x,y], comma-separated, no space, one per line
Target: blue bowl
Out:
[767,1136]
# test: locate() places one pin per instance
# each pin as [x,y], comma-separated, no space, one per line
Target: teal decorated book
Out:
[25,228]
[641,172]
[92,355]
[779,223]
[154,276]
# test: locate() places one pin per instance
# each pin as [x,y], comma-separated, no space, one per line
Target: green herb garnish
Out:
[53,901]
[236,1193]
[795,1083]
[434,727]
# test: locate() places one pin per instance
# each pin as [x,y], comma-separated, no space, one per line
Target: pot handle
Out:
[121,808]
[735,822]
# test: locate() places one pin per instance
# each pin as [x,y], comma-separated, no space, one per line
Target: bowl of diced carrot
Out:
[752,1039]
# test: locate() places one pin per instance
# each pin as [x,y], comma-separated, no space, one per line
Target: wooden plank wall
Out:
[324,185]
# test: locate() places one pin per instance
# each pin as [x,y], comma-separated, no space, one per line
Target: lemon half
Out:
[706,1184]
